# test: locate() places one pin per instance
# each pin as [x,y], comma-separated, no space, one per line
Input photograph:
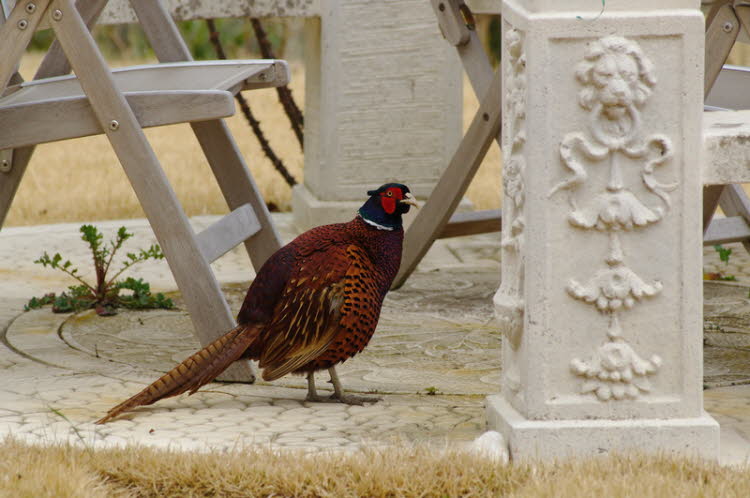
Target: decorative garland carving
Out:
[509,301]
[617,80]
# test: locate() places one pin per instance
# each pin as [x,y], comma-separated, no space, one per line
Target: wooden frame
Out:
[121,118]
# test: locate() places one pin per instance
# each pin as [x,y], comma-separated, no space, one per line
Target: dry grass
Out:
[81,179]
[64,471]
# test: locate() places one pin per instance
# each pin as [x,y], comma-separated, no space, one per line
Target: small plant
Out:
[724,254]
[104,296]
[432,391]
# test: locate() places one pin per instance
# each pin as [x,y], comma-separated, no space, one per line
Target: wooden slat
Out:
[227,233]
[14,40]
[450,21]
[39,122]
[446,195]
[208,75]
[220,149]
[52,65]
[711,195]
[719,43]
[734,202]
[472,223]
[200,290]
[55,63]
[726,230]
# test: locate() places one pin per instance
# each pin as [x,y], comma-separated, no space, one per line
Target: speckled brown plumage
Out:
[315,303]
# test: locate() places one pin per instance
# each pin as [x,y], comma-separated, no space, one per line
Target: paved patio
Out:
[435,356]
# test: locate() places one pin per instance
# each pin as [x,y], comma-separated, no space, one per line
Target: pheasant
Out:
[314,304]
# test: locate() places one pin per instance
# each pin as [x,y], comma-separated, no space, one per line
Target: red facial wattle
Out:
[389,199]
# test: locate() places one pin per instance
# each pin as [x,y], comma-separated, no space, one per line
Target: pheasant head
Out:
[386,205]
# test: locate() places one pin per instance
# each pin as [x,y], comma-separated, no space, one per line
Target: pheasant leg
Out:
[349,399]
[312,393]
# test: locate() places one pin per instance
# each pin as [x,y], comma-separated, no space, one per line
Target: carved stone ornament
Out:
[616,79]
[514,163]
[613,288]
[616,371]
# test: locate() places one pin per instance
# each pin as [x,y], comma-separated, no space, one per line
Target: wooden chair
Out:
[437,219]
[119,103]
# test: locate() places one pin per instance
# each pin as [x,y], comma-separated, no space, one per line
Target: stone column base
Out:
[309,211]
[551,439]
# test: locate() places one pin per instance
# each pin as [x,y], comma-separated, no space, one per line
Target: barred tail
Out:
[194,372]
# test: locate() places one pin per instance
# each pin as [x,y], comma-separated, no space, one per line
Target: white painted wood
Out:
[227,233]
[726,230]
[36,122]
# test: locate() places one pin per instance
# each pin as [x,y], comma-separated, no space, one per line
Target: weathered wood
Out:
[36,122]
[450,21]
[55,63]
[201,292]
[734,202]
[446,195]
[719,42]
[227,233]
[711,196]
[15,34]
[472,223]
[729,90]
[727,230]
[222,153]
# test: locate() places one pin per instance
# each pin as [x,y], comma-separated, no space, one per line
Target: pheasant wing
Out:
[307,317]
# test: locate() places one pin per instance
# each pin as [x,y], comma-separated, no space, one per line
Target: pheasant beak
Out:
[409,199]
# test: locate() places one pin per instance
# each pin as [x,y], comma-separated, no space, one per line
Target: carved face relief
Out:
[617,79]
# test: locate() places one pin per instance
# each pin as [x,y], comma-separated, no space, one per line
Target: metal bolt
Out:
[441,7]
[22,24]
[30,8]
[57,14]
[728,26]
[5,166]
[486,116]
[113,125]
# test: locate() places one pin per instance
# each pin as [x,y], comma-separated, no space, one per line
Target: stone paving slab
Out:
[436,335]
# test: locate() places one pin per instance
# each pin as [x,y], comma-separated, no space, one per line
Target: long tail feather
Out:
[194,372]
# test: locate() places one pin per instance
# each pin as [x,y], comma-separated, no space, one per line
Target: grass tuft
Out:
[66,471]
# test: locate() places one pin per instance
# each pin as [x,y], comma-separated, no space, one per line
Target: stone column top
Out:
[596,6]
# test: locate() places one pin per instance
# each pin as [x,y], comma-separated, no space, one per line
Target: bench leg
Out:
[734,202]
[230,170]
[208,308]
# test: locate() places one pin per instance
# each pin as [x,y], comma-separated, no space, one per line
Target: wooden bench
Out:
[120,103]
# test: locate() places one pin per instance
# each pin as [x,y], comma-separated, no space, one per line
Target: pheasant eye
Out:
[390,193]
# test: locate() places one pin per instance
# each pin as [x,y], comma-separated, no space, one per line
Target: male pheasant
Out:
[315,303]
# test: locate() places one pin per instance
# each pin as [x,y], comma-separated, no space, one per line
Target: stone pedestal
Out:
[383,103]
[601,294]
